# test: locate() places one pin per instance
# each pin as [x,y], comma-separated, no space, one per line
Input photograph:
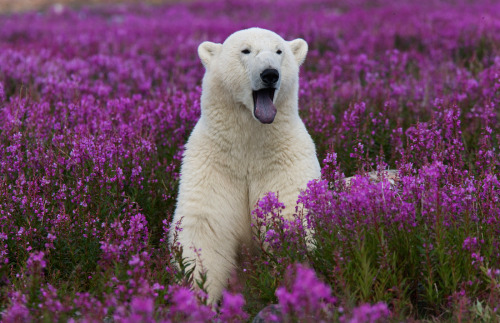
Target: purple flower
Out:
[470,243]
[2,93]
[186,306]
[306,297]
[232,308]
[144,306]
[36,262]
[18,310]
[367,313]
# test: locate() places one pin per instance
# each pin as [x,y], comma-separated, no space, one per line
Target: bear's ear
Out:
[207,50]
[299,49]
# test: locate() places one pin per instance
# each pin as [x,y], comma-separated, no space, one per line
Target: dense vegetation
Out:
[96,104]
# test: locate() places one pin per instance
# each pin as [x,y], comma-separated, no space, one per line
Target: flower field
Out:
[97,103]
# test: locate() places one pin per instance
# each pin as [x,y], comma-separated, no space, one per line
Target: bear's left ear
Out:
[207,50]
[299,49]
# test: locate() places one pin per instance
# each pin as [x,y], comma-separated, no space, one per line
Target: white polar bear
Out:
[248,141]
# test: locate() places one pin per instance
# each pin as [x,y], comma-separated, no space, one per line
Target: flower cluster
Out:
[306,295]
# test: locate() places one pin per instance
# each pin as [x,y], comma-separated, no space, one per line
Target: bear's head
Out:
[256,68]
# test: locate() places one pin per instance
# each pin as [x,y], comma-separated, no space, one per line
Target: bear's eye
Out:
[278,52]
[246,51]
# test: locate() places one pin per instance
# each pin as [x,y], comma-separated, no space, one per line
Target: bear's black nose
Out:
[270,76]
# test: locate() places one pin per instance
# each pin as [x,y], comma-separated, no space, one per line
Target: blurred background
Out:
[9,6]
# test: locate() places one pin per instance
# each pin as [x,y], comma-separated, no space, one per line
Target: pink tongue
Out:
[264,107]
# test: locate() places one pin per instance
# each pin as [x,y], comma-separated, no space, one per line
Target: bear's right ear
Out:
[207,50]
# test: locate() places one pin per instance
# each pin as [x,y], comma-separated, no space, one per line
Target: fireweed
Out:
[96,104]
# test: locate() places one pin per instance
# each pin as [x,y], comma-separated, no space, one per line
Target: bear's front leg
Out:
[287,176]
[213,209]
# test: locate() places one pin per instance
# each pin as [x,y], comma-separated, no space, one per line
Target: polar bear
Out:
[248,141]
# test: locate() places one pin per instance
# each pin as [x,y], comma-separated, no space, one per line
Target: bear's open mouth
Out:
[264,109]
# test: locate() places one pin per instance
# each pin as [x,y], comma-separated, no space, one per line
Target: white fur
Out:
[231,159]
